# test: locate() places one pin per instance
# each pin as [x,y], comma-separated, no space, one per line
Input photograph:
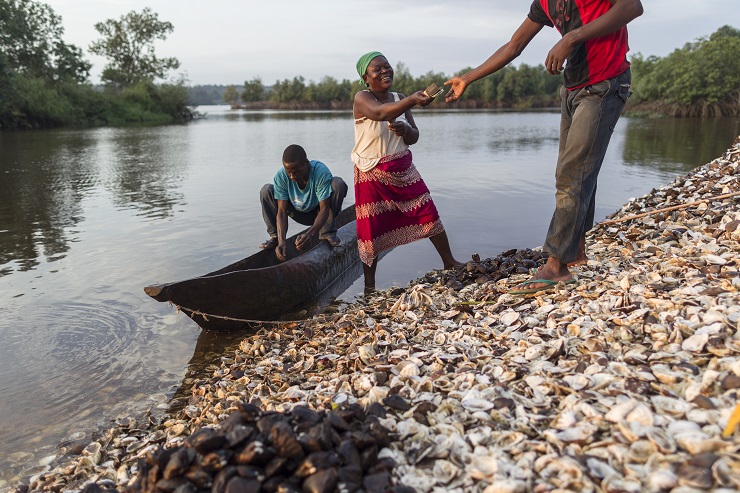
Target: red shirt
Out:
[594,60]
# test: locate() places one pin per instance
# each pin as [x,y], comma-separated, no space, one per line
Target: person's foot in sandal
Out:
[547,277]
[270,244]
[333,240]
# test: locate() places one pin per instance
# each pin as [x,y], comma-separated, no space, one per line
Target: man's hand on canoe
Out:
[281,251]
[302,240]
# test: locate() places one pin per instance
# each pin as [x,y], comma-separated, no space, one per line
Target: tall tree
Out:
[231,96]
[31,39]
[129,45]
[253,90]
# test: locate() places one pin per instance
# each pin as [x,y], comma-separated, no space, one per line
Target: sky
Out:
[231,41]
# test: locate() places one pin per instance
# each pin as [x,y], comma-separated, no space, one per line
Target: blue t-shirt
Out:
[317,189]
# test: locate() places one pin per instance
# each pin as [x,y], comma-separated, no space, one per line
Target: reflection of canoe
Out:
[260,287]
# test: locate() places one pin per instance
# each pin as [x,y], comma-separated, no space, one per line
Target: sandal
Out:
[270,244]
[546,285]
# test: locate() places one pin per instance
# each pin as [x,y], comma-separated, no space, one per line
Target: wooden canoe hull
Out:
[260,287]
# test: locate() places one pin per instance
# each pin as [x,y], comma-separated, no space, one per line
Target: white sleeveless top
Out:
[374,141]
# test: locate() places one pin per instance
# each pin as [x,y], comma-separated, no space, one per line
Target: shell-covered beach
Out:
[625,381]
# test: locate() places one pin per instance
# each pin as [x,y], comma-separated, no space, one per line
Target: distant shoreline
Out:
[335,105]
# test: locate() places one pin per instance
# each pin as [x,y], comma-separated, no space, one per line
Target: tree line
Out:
[44,81]
[512,87]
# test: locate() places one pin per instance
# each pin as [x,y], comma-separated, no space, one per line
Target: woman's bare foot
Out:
[452,264]
[442,245]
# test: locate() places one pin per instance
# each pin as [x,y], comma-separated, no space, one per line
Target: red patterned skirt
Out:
[393,207]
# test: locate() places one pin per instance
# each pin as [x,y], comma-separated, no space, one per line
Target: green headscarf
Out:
[364,61]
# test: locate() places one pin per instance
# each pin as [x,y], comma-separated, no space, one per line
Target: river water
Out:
[89,217]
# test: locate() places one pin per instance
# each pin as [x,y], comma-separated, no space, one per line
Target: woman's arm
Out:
[368,106]
[405,129]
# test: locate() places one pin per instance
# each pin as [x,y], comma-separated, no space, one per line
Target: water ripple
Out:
[93,369]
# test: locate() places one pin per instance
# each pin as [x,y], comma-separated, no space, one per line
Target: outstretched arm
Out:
[621,13]
[502,57]
[366,105]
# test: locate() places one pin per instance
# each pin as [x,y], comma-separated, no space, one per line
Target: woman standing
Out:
[392,203]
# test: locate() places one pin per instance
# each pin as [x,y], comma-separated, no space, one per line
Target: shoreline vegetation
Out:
[628,380]
[41,89]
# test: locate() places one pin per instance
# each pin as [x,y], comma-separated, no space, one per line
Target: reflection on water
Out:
[44,176]
[145,170]
[260,116]
[47,175]
[90,217]
[663,143]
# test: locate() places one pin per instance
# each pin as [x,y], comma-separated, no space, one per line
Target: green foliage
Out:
[403,81]
[31,42]
[43,100]
[129,45]
[329,91]
[253,91]
[231,96]
[9,96]
[43,79]
[145,102]
[289,91]
[702,78]
[510,87]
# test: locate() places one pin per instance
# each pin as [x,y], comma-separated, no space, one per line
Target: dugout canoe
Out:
[260,287]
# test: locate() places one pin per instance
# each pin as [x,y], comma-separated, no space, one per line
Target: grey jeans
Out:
[587,120]
[270,209]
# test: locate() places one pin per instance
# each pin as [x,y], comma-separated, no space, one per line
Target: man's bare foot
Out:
[578,261]
[581,258]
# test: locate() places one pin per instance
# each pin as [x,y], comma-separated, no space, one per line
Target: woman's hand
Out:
[457,88]
[421,98]
[399,128]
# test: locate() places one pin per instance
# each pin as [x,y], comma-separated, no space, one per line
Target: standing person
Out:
[392,203]
[592,57]
[306,191]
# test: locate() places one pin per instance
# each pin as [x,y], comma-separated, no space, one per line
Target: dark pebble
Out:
[704,402]
[263,451]
[241,485]
[395,401]
[321,482]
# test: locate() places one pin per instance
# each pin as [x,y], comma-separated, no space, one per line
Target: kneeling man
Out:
[306,191]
